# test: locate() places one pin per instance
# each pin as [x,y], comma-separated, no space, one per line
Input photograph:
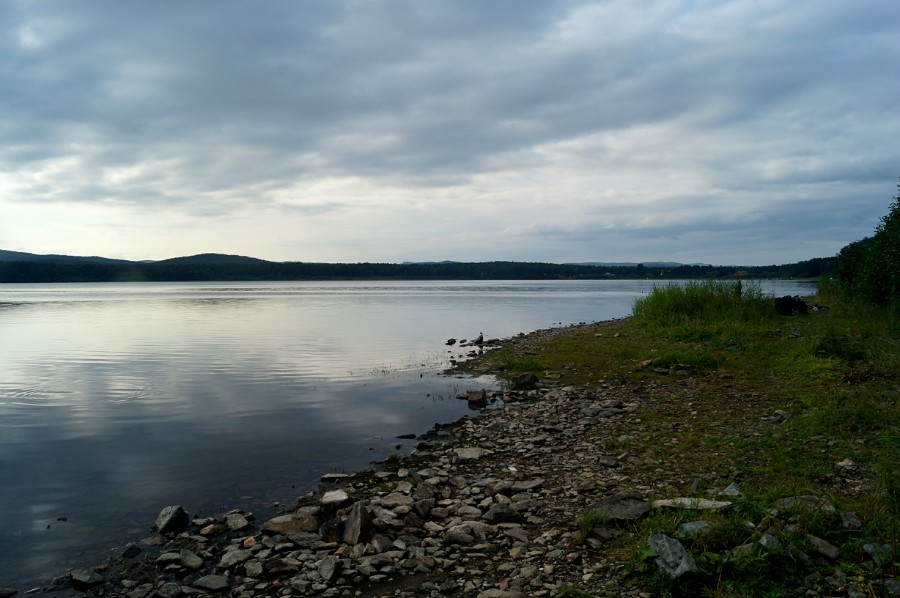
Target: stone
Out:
[672,558]
[770,543]
[692,529]
[790,306]
[332,478]
[851,522]
[622,507]
[498,593]
[824,547]
[358,525]
[131,550]
[335,498]
[731,489]
[213,583]
[7,592]
[189,560]
[234,557]
[396,499]
[329,567]
[527,485]
[236,521]
[464,455]
[172,519]
[694,504]
[502,513]
[806,502]
[291,524]
[83,579]
[880,553]
[381,543]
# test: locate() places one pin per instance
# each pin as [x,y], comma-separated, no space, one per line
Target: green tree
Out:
[871,267]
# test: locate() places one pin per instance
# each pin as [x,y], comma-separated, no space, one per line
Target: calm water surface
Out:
[119,399]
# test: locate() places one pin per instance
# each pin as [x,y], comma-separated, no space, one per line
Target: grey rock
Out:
[770,543]
[131,551]
[234,557]
[467,454]
[502,513]
[381,543]
[329,567]
[169,590]
[621,507]
[824,547]
[497,593]
[880,553]
[358,525]
[672,558]
[190,560]
[396,499]
[83,579]
[292,524]
[335,498]
[172,519]
[213,583]
[236,521]
[851,522]
[692,529]
[806,502]
[7,592]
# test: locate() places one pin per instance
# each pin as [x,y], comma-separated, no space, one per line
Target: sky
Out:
[748,132]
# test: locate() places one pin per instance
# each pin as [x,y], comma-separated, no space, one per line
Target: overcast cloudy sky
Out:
[734,132]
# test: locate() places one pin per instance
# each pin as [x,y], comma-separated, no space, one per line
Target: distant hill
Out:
[213,258]
[20,256]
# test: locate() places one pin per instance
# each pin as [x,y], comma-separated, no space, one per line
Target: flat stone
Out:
[213,583]
[83,579]
[694,504]
[621,507]
[502,513]
[468,454]
[334,498]
[396,499]
[807,502]
[527,485]
[234,557]
[291,524]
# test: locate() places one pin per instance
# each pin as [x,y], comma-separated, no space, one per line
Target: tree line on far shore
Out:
[220,268]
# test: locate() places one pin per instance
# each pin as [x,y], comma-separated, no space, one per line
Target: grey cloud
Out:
[219,106]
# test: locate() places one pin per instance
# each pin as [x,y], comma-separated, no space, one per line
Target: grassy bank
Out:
[781,405]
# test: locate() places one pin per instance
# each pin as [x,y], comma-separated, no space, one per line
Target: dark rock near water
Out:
[790,306]
[172,520]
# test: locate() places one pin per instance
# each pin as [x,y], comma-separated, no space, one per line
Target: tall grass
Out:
[703,303]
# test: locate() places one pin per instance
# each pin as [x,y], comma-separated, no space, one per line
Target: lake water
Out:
[119,399]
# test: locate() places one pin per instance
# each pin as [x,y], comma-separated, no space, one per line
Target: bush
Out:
[707,301]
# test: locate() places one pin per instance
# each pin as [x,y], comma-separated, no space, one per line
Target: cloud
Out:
[493,116]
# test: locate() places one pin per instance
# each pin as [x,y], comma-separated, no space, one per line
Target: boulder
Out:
[358,525]
[172,520]
[790,306]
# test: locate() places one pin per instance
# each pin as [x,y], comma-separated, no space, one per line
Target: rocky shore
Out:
[490,507]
